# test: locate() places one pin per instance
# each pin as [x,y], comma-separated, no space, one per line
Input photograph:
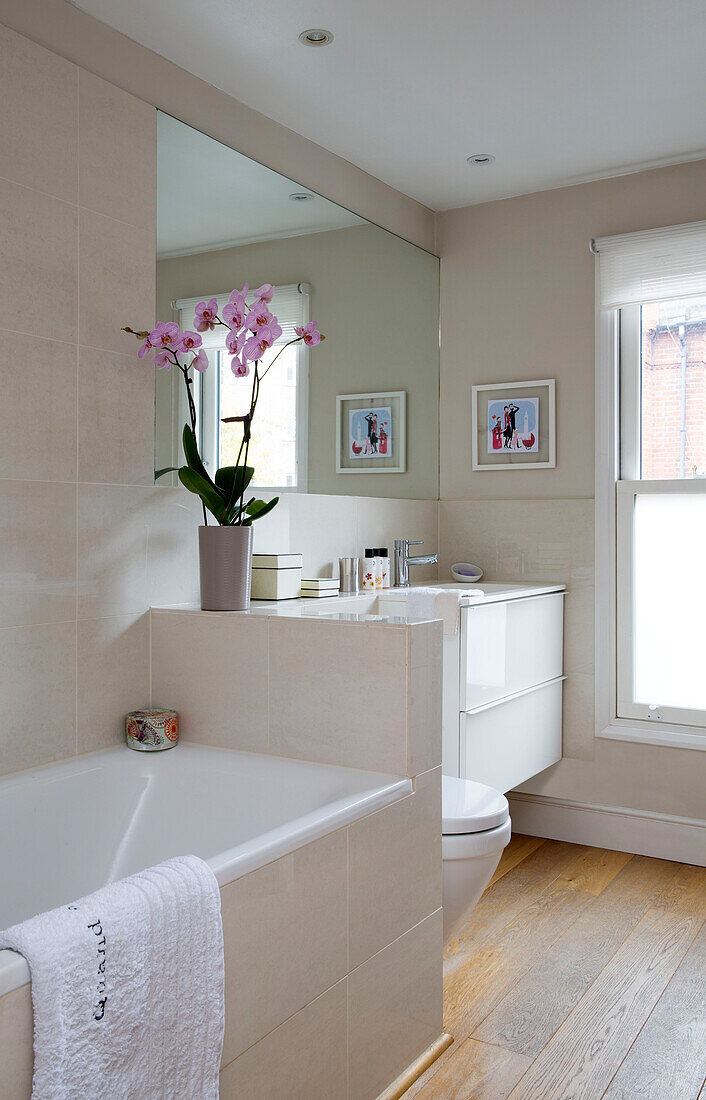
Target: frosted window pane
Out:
[670,600]
[274,436]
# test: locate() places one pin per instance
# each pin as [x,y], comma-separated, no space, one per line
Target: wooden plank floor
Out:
[580,974]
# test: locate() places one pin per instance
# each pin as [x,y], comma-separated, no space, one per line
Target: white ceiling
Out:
[559,90]
[209,196]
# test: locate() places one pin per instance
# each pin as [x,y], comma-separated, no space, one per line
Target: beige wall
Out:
[517,303]
[376,299]
[87,543]
[99,49]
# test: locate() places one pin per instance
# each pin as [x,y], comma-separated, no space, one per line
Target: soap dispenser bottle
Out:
[383,570]
[369,571]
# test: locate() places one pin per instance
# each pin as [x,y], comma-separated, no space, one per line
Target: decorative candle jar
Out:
[152,729]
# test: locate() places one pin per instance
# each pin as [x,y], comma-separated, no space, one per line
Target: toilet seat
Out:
[469,808]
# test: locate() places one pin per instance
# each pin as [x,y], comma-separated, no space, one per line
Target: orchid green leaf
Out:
[204,488]
[259,508]
[193,458]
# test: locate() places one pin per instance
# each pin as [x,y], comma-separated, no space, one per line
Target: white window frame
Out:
[206,392]
[614,503]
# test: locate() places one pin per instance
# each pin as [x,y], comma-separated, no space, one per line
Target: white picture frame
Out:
[393,463]
[541,395]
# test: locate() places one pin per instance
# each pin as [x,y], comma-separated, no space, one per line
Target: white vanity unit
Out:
[503,674]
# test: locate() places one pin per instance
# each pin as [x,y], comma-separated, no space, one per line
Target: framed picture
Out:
[371,432]
[514,424]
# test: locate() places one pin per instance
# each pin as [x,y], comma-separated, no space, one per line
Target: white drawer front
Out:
[508,743]
[507,647]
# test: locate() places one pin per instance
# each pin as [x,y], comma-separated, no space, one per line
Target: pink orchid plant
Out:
[252,329]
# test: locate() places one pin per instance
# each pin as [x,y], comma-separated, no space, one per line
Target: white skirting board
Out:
[619,828]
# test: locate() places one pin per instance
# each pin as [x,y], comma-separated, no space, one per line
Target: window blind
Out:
[289,305]
[652,266]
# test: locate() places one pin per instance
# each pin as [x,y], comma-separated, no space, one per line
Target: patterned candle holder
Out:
[152,729]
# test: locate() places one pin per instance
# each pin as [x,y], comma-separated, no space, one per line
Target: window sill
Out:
[671,737]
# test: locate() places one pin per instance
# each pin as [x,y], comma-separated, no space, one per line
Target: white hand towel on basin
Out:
[128,988]
[427,602]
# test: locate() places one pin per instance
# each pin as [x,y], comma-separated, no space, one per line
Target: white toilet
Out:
[476,829]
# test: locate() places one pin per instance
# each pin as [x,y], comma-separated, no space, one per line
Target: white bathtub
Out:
[70,828]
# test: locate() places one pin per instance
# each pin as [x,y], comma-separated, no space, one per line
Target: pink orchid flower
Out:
[235,341]
[257,345]
[200,360]
[189,341]
[165,334]
[256,318]
[309,334]
[240,366]
[162,360]
[206,315]
[263,295]
[145,349]
[235,312]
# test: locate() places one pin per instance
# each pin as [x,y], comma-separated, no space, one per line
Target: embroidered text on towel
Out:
[99,1007]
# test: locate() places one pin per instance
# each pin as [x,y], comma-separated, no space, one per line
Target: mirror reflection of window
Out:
[224,220]
[278,449]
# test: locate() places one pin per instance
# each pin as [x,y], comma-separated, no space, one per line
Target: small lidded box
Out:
[276,576]
[152,729]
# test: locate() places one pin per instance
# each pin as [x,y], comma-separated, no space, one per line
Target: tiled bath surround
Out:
[333,978]
[333,953]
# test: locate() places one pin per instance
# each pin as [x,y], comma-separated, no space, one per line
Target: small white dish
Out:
[465,572]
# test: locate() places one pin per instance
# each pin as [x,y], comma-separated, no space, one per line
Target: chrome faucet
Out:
[402,560]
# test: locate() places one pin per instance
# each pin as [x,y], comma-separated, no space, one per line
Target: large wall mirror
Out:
[359,414]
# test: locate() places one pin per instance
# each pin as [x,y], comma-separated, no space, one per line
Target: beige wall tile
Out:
[115,418]
[39,273]
[395,868]
[520,540]
[322,528]
[37,552]
[37,695]
[113,678]
[212,668]
[338,693]
[136,547]
[394,1008]
[39,117]
[379,522]
[303,1058]
[286,938]
[116,284]
[425,697]
[38,409]
[117,152]
[16,1044]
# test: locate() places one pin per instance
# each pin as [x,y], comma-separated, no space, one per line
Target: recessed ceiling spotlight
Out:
[315,36]
[301,196]
[479,160]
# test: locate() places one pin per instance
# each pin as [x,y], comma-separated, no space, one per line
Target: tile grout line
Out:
[78,384]
[77,204]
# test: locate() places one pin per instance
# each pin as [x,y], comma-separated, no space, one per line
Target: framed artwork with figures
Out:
[514,424]
[371,433]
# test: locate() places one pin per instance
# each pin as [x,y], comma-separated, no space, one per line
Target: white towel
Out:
[128,988]
[427,602]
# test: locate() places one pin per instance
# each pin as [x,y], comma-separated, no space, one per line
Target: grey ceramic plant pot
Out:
[225,559]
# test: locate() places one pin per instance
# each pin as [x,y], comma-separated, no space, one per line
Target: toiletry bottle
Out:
[384,559]
[368,570]
[378,566]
